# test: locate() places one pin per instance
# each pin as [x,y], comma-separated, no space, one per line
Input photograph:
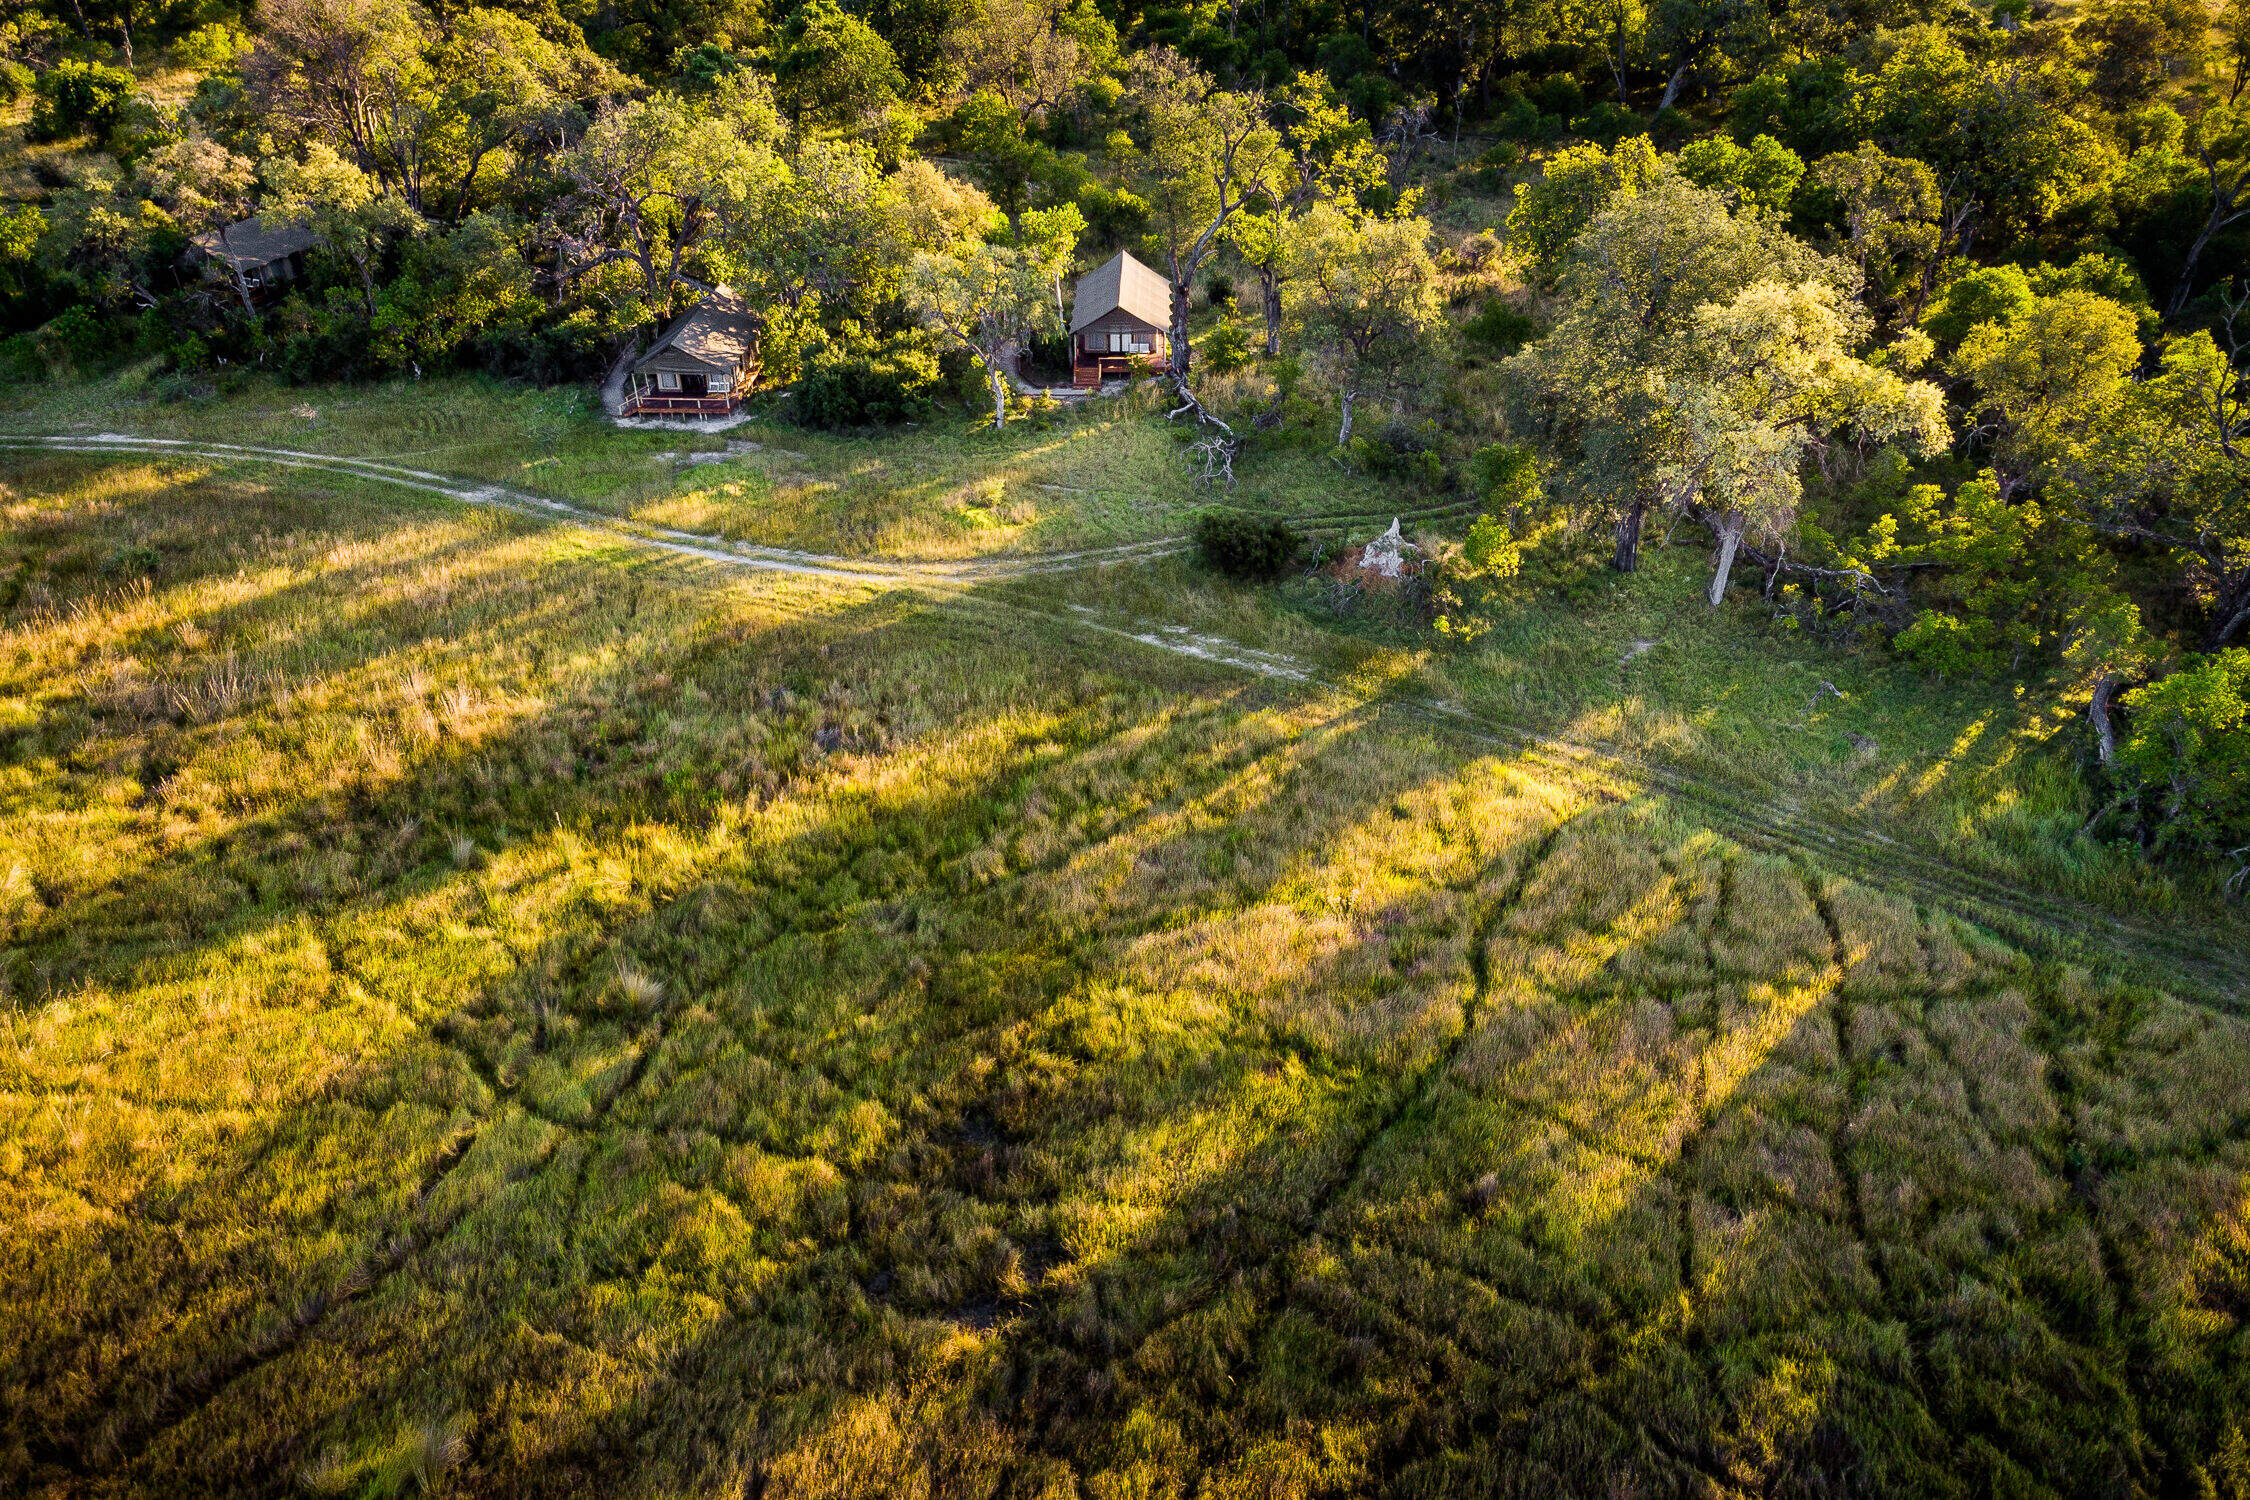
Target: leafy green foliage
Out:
[1499,327]
[2188,743]
[1243,545]
[870,388]
[75,95]
[1579,183]
[2013,587]
[1227,348]
[1762,175]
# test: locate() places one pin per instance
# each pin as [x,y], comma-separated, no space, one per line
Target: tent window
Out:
[667,380]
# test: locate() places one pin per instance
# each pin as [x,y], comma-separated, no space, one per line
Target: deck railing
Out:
[678,406]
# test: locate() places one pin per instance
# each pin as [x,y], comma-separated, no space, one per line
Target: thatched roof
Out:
[254,242]
[1122,284]
[719,331]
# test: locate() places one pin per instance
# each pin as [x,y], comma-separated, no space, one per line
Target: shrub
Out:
[16,80]
[1242,545]
[209,48]
[1227,350]
[73,96]
[1499,327]
[2189,748]
[1507,475]
[1608,123]
[1219,291]
[1522,121]
[1399,452]
[895,384]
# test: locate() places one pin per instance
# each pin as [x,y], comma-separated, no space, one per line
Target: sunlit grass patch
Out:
[490,1012]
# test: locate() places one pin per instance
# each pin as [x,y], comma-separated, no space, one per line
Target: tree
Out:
[102,239]
[920,33]
[648,186]
[1887,207]
[1629,291]
[1329,156]
[1759,381]
[2220,142]
[2046,377]
[2165,462]
[2008,583]
[986,299]
[1208,150]
[346,209]
[2139,46]
[1683,33]
[1579,182]
[2005,149]
[1762,175]
[832,69]
[1019,51]
[203,186]
[935,210]
[423,108]
[2190,746]
[824,229]
[1368,295]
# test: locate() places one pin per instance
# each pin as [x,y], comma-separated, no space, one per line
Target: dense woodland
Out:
[1930,315]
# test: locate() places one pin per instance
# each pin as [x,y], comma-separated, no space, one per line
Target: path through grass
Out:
[492,1010]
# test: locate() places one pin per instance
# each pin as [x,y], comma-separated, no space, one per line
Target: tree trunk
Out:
[1730,537]
[1672,87]
[1269,285]
[1182,288]
[1629,537]
[1344,433]
[999,398]
[2217,220]
[2232,615]
[2097,714]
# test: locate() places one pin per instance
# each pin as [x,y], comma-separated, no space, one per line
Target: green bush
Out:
[1499,327]
[1608,123]
[873,389]
[212,47]
[2188,747]
[1507,476]
[16,80]
[1227,349]
[1242,545]
[1399,452]
[73,96]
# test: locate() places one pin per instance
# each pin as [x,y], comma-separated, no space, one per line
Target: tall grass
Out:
[491,1014]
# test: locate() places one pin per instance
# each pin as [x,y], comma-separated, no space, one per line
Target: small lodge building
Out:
[1118,318]
[703,366]
[267,254]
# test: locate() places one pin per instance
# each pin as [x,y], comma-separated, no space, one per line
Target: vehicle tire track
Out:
[2024,917]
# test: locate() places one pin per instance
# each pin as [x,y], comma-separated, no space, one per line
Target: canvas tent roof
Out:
[720,331]
[254,242]
[1122,284]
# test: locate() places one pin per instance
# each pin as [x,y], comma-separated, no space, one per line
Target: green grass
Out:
[1111,473]
[492,1013]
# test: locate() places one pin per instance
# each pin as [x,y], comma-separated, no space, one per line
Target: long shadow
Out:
[1074,1078]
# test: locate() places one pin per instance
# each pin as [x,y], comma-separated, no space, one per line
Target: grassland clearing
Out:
[1100,475]
[492,1009]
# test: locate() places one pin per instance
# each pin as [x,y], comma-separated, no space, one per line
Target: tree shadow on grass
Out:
[1107,1084]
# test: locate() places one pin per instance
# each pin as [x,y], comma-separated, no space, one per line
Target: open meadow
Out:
[1102,476]
[493,1011]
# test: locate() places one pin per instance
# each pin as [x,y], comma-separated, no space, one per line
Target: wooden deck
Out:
[653,405]
[1090,373]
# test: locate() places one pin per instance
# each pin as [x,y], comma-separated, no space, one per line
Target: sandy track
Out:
[2036,920]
